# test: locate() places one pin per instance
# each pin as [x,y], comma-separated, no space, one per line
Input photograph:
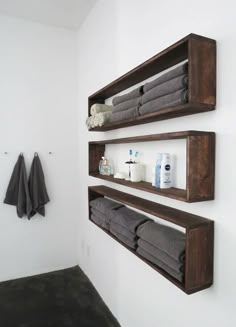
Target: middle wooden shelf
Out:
[200,164]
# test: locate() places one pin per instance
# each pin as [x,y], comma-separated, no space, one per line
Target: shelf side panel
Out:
[202,71]
[96,151]
[200,167]
[199,257]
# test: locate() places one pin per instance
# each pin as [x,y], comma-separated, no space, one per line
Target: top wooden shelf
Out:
[201,55]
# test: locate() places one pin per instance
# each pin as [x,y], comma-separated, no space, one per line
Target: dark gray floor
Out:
[56,299]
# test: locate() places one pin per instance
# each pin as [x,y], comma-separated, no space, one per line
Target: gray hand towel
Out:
[104,205]
[126,105]
[37,188]
[99,221]
[18,192]
[102,217]
[178,71]
[127,218]
[123,231]
[125,114]
[167,239]
[171,86]
[176,274]
[122,238]
[169,100]
[128,96]
[161,255]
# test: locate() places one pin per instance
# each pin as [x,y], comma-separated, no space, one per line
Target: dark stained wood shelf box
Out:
[199,233]
[200,164]
[201,55]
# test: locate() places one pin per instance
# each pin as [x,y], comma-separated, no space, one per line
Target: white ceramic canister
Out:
[136,172]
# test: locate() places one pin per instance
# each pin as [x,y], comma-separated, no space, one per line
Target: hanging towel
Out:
[18,192]
[37,188]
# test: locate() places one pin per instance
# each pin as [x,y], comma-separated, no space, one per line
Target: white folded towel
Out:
[98,107]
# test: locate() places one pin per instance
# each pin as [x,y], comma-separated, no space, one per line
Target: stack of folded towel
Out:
[170,89]
[100,115]
[124,223]
[163,246]
[126,106]
[100,211]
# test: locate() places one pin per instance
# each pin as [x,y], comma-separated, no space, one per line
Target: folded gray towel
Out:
[169,100]
[176,274]
[171,86]
[102,217]
[126,105]
[127,218]
[161,255]
[125,114]
[128,96]
[37,188]
[122,238]
[167,239]
[17,193]
[123,231]
[178,71]
[99,221]
[104,205]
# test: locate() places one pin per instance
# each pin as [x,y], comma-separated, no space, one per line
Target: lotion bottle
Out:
[166,171]
[156,172]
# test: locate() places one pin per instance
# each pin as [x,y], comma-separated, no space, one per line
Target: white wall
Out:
[116,37]
[38,113]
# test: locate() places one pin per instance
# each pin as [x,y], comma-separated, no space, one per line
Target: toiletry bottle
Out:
[106,167]
[100,168]
[156,171]
[166,171]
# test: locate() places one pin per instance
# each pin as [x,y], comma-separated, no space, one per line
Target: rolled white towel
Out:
[98,107]
[90,122]
[103,118]
[95,120]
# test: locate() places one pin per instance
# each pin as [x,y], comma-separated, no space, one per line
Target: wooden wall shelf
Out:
[199,237]
[201,55]
[200,164]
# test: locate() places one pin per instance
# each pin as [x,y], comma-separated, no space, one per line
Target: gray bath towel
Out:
[171,86]
[99,221]
[104,205]
[125,114]
[169,100]
[176,274]
[124,231]
[122,238]
[102,217]
[128,218]
[167,239]
[161,255]
[37,188]
[128,96]
[126,105]
[178,71]
[17,193]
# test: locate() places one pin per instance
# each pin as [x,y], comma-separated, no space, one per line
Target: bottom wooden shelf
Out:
[199,238]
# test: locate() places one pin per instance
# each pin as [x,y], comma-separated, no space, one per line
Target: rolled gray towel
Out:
[122,238]
[169,100]
[124,231]
[125,114]
[178,71]
[128,96]
[102,216]
[171,86]
[176,274]
[127,218]
[161,255]
[99,221]
[167,239]
[104,205]
[126,105]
